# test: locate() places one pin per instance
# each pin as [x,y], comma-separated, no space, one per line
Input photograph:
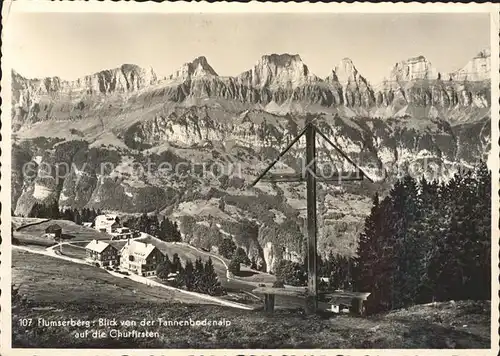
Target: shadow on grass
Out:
[245,273]
[67,237]
[443,337]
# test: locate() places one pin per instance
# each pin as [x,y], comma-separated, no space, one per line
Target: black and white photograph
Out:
[255,177]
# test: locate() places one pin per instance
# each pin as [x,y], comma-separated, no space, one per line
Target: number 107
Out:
[25,322]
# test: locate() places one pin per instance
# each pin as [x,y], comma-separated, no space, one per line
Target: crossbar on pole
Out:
[342,153]
[294,178]
[282,153]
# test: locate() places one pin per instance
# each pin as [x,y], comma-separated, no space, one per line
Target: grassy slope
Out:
[47,280]
[66,290]
[184,253]
[70,230]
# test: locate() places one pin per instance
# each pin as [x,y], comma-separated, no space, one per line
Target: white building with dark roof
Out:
[102,253]
[140,258]
[106,223]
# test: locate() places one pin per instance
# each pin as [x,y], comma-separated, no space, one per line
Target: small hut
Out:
[54,231]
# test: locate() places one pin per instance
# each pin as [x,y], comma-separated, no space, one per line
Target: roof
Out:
[97,246]
[138,248]
[123,229]
[53,228]
[106,217]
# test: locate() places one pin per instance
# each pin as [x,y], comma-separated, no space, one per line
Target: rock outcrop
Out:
[477,69]
[278,71]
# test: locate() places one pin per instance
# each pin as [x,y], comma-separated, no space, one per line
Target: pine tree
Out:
[227,247]
[180,278]
[403,212]
[480,258]
[449,266]
[241,256]
[198,275]
[426,232]
[162,233]
[143,224]
[234,266]
[153,225]
[54,208]
[77,218]
[164,269]
[211,283]
[374,265]
[176,263]
[189,275]
[253,264]
[177,237]
[85,215]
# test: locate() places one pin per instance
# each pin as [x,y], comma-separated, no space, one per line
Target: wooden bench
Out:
[270,293]
[354,299]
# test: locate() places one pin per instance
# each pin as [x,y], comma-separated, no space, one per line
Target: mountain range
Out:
[282,84]
[417,120]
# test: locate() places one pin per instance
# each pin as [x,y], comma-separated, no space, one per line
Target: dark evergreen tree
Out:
[176,263]
[227,247]
[407,247]
[53,209]
[189,275]
[198,275]
[180,278]
[176,233]
[241,255]
[291,273]
[211,283]
[162,233]
[77,218]
[234,266]
[143,224]
[253,264]
[375,261]
[153,226]
[164,269]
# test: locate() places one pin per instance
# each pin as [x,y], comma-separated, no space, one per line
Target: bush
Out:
[234,266]
[278,284]
[241,256]
[291,273]
[227,247]
[164,269]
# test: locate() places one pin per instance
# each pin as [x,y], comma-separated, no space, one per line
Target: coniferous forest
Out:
[427,241]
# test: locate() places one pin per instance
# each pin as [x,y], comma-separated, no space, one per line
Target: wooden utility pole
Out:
[310,177]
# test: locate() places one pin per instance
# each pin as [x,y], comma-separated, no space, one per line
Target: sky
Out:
[70,45]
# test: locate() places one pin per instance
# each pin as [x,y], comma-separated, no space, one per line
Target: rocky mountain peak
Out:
[198,68]
[413,68]
[477,69]
[344,73]
[285,70]
[281,60]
